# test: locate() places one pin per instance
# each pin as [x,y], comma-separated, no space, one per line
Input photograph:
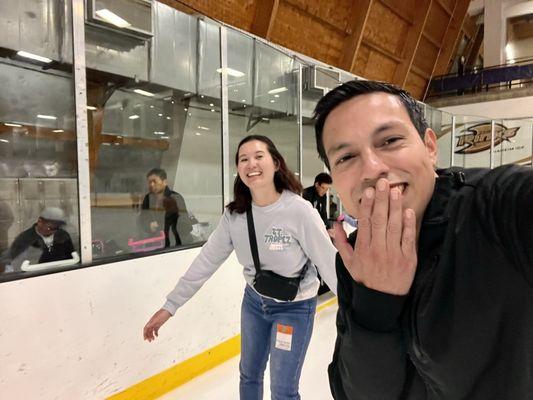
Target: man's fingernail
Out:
[369,193]
[381,184]
[395,194]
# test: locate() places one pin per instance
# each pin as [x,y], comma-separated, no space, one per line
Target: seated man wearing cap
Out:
[45,241]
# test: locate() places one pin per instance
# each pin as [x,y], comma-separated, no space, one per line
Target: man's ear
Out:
[430,141]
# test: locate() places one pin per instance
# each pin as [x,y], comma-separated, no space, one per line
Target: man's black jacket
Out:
[61,248]
[318,202]
[465,329]
[173,215]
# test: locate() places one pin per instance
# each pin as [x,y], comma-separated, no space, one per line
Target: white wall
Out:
[520,107]
[78,334]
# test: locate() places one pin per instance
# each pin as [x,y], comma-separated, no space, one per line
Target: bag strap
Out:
[253,241]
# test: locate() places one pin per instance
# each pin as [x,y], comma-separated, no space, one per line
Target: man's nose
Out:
[373,167]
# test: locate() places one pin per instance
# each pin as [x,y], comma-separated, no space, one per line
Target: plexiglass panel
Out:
[265,103]
[155,144]
[472,142]
[38,163]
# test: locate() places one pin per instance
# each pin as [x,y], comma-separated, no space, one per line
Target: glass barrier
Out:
[472,142]
[512,142]
[38,153]
[154,134]
[263,96]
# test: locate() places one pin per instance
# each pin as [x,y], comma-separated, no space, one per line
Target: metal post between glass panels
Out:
[226,167]
[452,142]
[300,126]
[82,136]
[492,127]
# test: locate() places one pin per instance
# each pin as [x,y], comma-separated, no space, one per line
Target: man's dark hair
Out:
[161,173]
[284,178]
[323,177]
[356,88]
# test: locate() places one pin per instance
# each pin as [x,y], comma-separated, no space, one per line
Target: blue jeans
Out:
[260,317]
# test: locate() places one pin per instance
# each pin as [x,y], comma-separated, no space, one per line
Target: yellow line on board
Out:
[173,377]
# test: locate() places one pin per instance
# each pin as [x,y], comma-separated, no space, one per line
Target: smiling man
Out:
[436,285]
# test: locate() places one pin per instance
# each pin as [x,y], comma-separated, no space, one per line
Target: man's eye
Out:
[390,141]
[343,159]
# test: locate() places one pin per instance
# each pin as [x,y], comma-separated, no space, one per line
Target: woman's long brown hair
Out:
[284,178]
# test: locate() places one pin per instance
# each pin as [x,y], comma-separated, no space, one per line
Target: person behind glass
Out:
[316,194]
[162,209]
[43,242]
[291,240]
[436,285]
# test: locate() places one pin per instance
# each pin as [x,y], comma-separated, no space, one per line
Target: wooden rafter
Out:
[356,26]
[265,15]
[411,42]
[451,36]
[400,12]
[473,52]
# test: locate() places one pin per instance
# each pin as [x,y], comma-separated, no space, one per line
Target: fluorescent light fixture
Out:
[169,118]
[134,116]
[278,90]
[243,100]
[276,95]
[272,101]
[211,104]
[204,128]
[511,62]
[159,133]
[92,108]
[112,18]
[164,137]
[212,110]
[198,134]
[46,116]
[143,92]
[4,140]
[13,125]
[160,115]
[32,56]
[232,72]
[58,130]
[151,106]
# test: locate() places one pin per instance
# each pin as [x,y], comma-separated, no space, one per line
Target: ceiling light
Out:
[160,114]
[4,140]
[232,72]
[272,101]
[212,110]
[204,128]
[159,133]
[278,90]
[91,108]
[112,18]
[169,118]
[134,116]
[151,106]
[13,125]
[198,134]
[32,56]
[143,92]
[164,137]
[46,116]
[58,130]
[276,95]
[211,104]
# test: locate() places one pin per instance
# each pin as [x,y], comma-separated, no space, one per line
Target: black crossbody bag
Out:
[266,282]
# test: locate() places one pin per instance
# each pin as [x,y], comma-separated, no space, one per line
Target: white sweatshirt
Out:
[289,232]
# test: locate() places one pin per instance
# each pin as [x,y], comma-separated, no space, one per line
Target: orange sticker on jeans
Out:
[284,337]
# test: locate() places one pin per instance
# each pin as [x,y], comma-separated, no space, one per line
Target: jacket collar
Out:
[447,182]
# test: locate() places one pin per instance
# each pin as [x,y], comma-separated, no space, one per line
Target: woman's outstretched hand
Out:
[151,329]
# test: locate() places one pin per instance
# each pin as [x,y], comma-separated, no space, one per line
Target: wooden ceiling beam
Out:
[444,7]
[411,42]
[265,15]
[356,26]
[432,40]
[398,11]
[473,52]
[452,35]
[383,51]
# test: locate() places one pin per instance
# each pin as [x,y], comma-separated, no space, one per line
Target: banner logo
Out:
[478,137]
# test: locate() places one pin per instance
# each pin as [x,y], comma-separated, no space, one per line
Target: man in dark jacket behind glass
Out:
[436,285]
